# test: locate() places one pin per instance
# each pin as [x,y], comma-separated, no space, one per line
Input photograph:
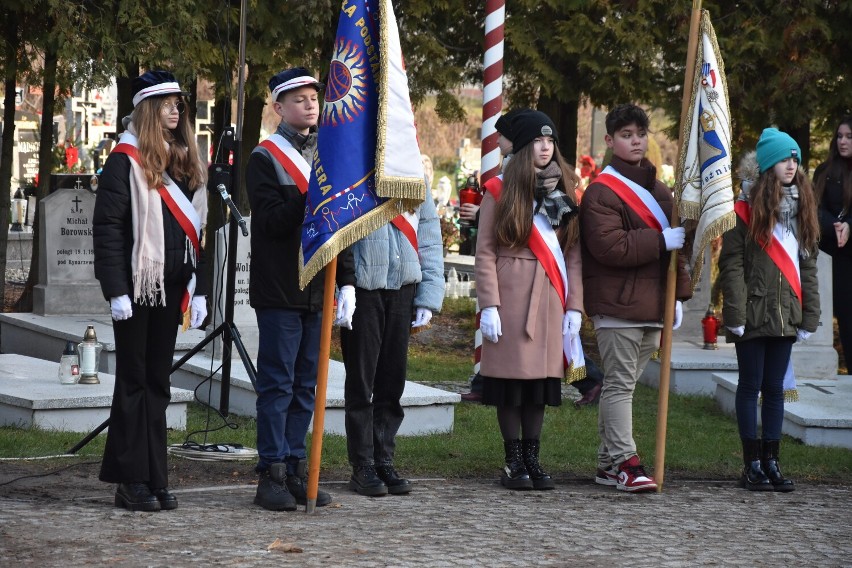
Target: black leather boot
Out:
[772,469]
[272,493]
[136,497]
[515,474]
[753,478]
[365,481]
[297,484]
[396,485]
[540,478]
[167,501]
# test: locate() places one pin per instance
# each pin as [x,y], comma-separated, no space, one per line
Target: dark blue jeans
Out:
[762,364]
[288,349]
[375,354]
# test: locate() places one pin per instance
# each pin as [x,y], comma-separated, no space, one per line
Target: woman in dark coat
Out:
[147,227]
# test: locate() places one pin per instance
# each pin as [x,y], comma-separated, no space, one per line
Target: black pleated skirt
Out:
[519,392]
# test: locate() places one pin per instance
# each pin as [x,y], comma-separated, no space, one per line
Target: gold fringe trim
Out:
[717,228]
[574,374]
[791,395]
[345,237]
[412,189]
[416,330]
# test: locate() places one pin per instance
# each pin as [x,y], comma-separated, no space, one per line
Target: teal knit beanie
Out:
[775,146]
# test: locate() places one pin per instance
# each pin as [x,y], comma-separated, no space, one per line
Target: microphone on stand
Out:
[226,197]
[220,176]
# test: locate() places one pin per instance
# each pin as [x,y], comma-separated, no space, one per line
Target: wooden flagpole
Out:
[671,281]
[322,386]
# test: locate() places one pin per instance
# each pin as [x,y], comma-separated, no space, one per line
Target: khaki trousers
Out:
[624,353]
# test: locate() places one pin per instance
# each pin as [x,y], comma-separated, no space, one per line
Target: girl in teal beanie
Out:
[771,298]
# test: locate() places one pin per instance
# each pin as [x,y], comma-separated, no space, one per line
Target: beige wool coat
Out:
[513,280]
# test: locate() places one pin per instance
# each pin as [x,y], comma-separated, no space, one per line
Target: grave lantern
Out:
[89,352]
[19,208]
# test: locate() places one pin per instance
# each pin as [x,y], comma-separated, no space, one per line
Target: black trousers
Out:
[135,449]
[841,277]
[375,355]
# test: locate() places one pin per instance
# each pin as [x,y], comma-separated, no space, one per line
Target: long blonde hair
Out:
[161,149]
[514,215]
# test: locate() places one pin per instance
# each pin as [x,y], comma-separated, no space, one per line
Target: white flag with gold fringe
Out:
[704,177]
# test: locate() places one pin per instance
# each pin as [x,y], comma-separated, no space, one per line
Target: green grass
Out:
[702,442]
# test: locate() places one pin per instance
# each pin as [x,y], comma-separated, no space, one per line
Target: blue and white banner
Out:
[367,168]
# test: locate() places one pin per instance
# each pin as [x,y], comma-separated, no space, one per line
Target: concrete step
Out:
[44,337]
[427,410]
[32,396]
[692,368]
[821,417]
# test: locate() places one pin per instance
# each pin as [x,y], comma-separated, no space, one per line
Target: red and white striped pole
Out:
[492,104]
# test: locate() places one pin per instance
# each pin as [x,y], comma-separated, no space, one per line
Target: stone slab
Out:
[821,417]
[427,410]
[44,337]
[693,367]
[31,396]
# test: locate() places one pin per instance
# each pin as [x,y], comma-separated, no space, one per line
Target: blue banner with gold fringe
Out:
[367,168]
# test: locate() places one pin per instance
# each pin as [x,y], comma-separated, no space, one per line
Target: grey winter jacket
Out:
[385,260]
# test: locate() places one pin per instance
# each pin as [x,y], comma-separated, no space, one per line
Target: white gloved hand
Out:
[803,335]
[345,306]
[197,311]
[121,307]
[678,319]
[571,322]
[489,324]
[422,317]
[738,331]
[674,237]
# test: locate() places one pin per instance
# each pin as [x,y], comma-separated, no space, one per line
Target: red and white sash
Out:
[544,244]
[290,159]
[783,250]
[639,199]
[179,206]
[407,224]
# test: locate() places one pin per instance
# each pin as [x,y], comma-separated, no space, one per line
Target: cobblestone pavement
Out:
[441,523]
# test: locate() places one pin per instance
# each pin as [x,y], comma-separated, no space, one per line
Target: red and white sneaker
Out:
[608,476]
[632,477]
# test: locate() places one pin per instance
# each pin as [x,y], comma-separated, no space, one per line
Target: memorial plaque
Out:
[67,282]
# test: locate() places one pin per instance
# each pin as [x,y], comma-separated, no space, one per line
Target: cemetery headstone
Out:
[67,282]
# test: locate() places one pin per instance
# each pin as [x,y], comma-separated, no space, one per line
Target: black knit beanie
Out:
[528,126]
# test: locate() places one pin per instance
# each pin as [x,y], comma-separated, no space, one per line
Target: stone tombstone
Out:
[67,282]
[816,358]
[244,317]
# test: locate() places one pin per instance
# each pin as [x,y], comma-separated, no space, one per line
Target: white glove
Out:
[678,314]
[422,317]
[803,335]
[489,324]
[738,331]
[571,322]
[674,237]
[121,307]
[345,306]
[197,311]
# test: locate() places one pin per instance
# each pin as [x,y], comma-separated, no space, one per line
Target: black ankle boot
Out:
[753,478]
[136,497]
[272,493]
[515,474]
[540,478]
[297,485]
[772,469]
